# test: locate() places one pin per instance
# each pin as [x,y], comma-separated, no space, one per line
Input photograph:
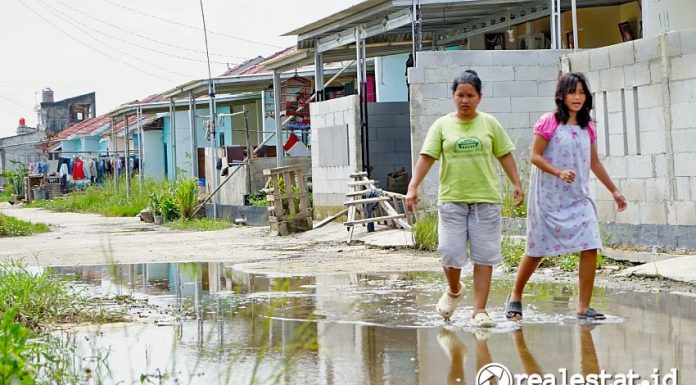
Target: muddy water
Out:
[211,324]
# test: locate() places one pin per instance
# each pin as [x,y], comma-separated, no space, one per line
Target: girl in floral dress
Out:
[561,216]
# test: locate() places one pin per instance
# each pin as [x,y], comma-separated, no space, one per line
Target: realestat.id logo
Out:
[492,372]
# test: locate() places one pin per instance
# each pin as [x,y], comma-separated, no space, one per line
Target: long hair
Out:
[566,85]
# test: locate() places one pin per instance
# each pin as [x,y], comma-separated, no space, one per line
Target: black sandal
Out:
[591,315]
[513,309]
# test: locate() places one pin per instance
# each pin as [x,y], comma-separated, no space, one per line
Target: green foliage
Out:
[186,197]
[258,200]
[425,231]
[108,200]
[13,227]
[167,206]
[508,203]
[15,178]
[15,353]
[199,224]
[512,251]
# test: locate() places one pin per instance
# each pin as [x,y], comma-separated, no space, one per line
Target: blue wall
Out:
[391,79]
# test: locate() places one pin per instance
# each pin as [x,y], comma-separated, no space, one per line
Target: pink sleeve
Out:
[592,129]
[546,126]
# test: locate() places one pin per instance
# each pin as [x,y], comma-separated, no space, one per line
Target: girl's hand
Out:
[412,199]
[518,194]
[567,176]
[620,201]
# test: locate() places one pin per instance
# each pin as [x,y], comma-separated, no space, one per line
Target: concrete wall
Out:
[336,149]
[21,148]
[518,86]
[645,103]
[667,15]
[389,136]
[390,78]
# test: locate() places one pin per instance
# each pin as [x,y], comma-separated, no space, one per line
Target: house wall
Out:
[336,150]
[518,87]
[71,145]
[153,155]
[21,148]
[645,103]
[389,136]
[90,143]
[668,15]
[390,74]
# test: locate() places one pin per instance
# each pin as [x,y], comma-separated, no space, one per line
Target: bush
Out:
[13,227]
[186,197]
[425,231]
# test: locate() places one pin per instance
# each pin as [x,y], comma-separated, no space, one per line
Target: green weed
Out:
[186,197]
[198,224]
[425,231]
[13,227]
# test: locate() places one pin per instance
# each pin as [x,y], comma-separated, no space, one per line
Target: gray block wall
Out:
[646,104]
[330,181]
[389,140]
[518,87]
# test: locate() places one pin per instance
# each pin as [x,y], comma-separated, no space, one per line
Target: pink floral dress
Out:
[561,217]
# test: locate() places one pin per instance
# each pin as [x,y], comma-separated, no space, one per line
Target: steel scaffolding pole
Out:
[279,125]
[194,138]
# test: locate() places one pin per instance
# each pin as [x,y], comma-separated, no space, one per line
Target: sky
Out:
[125,50]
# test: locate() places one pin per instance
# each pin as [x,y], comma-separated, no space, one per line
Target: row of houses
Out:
[375,76]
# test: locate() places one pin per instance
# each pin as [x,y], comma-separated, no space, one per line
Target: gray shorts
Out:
[479,223]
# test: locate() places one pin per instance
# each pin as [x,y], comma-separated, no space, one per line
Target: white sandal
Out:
[483,320]
[448,302]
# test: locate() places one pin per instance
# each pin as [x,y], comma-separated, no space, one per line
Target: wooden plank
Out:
[330,219]
[358,174]
[366,200]
[361,183]
[373,219]
[390,210]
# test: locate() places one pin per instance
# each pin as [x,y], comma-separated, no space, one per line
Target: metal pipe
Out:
[113,140]
[172,135]
[194,138]
[248,146]
[276,115]
[358,54]
[318,72]
[127,165]
[141,148]
[574,11]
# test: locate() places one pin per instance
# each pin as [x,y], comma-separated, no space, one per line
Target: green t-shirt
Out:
[467,152]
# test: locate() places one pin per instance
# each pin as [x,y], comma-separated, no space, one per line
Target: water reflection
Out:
[224,326]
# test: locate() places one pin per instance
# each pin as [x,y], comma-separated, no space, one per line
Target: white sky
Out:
[79,46]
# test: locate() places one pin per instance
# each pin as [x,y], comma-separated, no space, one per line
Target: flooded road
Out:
[207,323]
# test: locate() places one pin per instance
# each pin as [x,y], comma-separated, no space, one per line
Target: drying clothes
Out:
[78,169]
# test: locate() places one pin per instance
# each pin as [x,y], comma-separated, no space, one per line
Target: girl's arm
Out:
[538,147]
[423,165]
[507,161]
[601,173]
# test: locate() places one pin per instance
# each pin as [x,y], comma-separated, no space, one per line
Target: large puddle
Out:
[208,323]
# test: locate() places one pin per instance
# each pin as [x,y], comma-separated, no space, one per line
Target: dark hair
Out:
[467,77]
[566,85]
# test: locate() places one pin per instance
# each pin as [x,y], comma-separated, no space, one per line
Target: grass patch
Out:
[5,196]
[425,232]
[198,224]
[108,200]
[513,250]
[13,227]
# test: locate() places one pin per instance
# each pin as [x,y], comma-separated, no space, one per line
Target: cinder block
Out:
[437,106]
[656,190]
[614,101]
[381,146]
[441,75]
[646,49]
[654,213]
[599,59]
[684,164]
[684,140]
[595,82]
[514,88]
[683,91]
[683,67]
[527,104]
[687,39]
[673,44]
[580,61]
[436,90]
[514,120]
[657,73]
[650,96]
[684,116]
[496,73]
[330,119]
[495,105]
[537,73]
[546,88]
[403,121]
[636,75]
[641,166]
[379,121]
[660,162]
[426,59]
[615,125]
[318,121]
[693,188]
[416,75]
[605,211]
[550,57]
[683,213]
[616,145]
[621,54]
[652,142]
[516,58]
[630,121]
[651,119]
[617,167]
[683,188]
[466,59]
[631,215]
[612,78]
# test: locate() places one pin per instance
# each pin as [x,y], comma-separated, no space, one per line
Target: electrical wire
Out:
[93,48]
[189,26]
[145,36]
[105,44]
[13,102]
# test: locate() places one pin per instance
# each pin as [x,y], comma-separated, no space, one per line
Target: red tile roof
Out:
[256,65]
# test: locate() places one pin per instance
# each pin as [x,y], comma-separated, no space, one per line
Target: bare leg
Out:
[529,363]
[452,274]
[588,355]
[524,271]
[482,286]
[588,270]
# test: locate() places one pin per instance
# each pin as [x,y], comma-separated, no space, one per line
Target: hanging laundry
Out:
[78,169]
[295,147]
